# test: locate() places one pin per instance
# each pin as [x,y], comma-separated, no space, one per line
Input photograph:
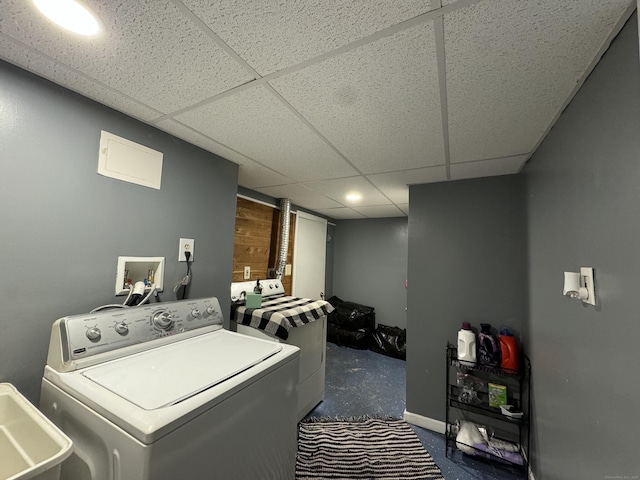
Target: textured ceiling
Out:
[315,99]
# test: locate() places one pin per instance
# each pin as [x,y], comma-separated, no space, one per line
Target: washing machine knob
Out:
[195,313]
[94,334]
[210,311]
[162,320]
[122,328]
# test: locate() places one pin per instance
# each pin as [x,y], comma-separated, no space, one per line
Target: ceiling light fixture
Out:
[70,15]
[354,197]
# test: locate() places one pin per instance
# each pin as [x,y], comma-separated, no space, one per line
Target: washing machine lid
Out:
[171,373]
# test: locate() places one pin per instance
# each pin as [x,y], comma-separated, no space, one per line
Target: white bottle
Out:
[467,345]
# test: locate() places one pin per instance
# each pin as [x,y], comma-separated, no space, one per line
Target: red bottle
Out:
[509,351]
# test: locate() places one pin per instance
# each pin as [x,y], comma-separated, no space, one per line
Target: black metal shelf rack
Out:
[502,427]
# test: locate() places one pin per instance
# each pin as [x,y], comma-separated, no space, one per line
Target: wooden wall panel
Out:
[256,241]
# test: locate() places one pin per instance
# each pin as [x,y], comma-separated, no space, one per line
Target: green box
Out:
[254,300]
[497,395]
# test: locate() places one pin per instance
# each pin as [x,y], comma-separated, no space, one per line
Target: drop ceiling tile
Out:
[488,168]
[511,66]
[271,36]
[394,184]
[342,213]
[257,124]
[300,195]
[378,104]
[338,189]
[35,62]
[254,175]
[149,51]
[196,138]
[381,211]
[251,174]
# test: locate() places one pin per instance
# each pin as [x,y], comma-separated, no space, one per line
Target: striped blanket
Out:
[278,315]
[372,448]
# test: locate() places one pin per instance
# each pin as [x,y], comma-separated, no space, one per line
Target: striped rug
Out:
[362,448]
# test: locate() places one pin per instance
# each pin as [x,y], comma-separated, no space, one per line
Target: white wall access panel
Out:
[129,161]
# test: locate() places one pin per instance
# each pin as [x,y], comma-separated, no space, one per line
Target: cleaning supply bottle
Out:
[488,349]
[508,351]
[467,345]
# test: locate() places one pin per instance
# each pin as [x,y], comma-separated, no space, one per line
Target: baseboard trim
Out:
[437,426]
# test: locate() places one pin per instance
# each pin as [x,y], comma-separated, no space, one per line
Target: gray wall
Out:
[466,263]
[63,225]
[583,191]
[370,266]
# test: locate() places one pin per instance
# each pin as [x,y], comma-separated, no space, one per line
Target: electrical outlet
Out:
[186,245]
[247,273]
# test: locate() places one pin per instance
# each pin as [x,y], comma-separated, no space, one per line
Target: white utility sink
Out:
[31,446]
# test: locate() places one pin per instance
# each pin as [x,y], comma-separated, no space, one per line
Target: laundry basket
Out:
[31,447]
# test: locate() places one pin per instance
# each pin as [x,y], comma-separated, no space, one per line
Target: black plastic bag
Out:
[351,316]
[350,324]
[359,339]
[391,341]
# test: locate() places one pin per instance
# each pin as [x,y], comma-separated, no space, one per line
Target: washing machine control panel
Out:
[83,336]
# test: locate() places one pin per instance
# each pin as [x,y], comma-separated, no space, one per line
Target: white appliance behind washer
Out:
[163,392]
[311,338]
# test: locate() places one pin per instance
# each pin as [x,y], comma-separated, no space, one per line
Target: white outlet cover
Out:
[186,245]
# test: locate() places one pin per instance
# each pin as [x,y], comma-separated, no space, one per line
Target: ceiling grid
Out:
[315,99]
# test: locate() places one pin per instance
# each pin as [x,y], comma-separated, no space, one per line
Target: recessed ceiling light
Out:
[354,197]
[70,15]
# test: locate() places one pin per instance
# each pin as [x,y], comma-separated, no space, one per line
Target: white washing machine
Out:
[163,392]
[303,323]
